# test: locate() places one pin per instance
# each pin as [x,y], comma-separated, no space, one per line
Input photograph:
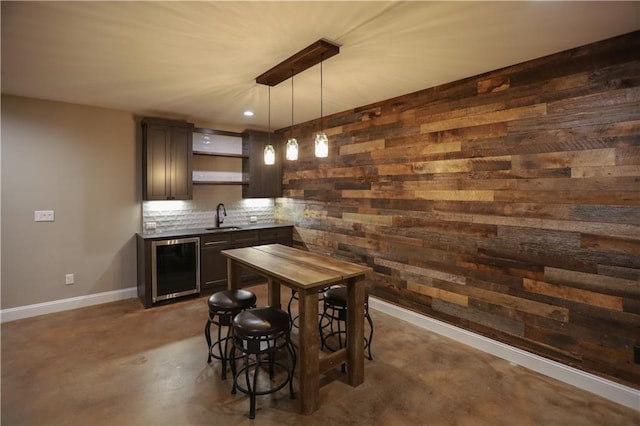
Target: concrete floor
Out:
[119,364]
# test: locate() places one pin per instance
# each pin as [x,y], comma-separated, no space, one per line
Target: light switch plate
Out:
[43,216]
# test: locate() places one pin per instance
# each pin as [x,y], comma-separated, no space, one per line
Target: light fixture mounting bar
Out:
[304,59]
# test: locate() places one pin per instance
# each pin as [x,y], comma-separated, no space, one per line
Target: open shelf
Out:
[220,154]
[218,178]
[219,183]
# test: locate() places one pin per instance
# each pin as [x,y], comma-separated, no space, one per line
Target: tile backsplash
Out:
[200,212]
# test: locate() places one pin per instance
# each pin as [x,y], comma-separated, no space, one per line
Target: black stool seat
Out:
[261,322]
[335,309]
[262,332]
[337,296]
[223,306]
[232,300]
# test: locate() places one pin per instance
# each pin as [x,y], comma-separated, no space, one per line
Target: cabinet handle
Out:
[215,243]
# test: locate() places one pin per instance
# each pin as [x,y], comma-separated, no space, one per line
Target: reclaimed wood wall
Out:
[507,204]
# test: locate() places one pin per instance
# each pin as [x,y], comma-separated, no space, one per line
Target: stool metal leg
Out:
[294,296]
[234,371]
[292,353]
[223,356]
[221,347]
[333,314]
[253,390]
[207,336]
[370,340]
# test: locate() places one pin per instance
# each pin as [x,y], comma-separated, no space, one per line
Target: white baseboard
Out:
[12,314]
[607,389]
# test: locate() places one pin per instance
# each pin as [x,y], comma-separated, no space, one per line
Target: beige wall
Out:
[84,163]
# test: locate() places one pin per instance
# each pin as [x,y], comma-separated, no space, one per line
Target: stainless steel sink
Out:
[223,229]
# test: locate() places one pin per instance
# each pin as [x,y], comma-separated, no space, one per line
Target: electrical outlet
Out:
[43,216]
[636,354]
[150,226]
[253,219]
[69,279]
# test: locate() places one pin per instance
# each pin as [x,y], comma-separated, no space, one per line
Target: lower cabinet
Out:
[246,239]
[282,236]
[213,264]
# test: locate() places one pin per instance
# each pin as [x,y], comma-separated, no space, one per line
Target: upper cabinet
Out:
[265,181]
[167,159]
[177,155]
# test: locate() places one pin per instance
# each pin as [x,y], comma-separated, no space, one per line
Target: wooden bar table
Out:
[306,273]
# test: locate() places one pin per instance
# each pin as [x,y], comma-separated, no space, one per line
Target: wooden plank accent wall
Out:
[507,204]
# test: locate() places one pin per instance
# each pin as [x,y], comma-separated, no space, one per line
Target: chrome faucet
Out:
[219,219]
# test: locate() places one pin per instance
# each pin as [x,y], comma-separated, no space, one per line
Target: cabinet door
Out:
[282,235]
[271,175]
[265,181]
[213,269]
[245,239]
[168,160]
[157,145]
[213,265]
[181,164]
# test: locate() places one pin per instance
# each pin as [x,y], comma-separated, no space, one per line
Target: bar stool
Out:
[223,306]
[262,332]
[335,311]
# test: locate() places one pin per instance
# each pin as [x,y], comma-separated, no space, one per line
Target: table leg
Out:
[273,291]
[308,354]
[233,274]
[355,331]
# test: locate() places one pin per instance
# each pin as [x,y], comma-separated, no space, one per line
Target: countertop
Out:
[194,232]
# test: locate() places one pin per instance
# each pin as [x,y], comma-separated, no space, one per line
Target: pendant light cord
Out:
[321,114]
[269,134]
[292,102]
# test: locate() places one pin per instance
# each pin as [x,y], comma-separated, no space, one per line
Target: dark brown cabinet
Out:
[210,271]
[265,181]
[213,265]
[167,159]
[282,235]
[246,239]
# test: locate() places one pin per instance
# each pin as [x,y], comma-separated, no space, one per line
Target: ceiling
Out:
[198,60]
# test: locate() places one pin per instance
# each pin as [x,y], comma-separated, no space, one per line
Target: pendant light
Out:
[292,143]
[321,140]
[269,152]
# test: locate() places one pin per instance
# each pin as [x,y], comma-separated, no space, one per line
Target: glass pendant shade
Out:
[292,149]
[322,145]
[269,155]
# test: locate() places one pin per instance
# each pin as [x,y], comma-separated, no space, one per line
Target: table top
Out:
[297,267]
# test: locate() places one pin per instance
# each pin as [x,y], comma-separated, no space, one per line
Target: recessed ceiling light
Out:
[248,113]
